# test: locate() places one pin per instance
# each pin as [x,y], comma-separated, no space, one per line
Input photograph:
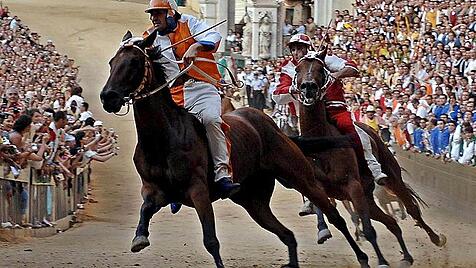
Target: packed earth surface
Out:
[90,31]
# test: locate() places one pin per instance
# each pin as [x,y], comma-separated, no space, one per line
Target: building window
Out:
[290,15]
[181,3]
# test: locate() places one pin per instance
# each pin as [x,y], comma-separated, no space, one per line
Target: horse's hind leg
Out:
[354,188]
[377,214]
[301,177]
[262,214]
[258,208]
[201,201]
[354,217]
[153,201]
[413,209]
[402,209]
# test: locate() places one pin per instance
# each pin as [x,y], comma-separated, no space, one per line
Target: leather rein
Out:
[138,93]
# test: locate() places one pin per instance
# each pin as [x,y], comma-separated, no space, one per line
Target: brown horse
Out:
[341,164]
[173,160]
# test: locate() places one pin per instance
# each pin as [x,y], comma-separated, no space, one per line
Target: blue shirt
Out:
[439,110]
[434,133]
[443,140]
[454,114]
[418,139]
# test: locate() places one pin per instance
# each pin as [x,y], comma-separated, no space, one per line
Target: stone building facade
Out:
[274,12]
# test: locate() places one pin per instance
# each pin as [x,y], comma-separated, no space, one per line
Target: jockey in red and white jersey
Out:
[299,45]
[336,107]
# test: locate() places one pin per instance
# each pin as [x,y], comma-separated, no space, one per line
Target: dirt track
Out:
[89,31]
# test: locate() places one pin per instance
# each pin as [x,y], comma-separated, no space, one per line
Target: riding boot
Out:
[227,187]
[219,150]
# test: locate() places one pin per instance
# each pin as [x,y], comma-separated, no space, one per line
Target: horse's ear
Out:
[127,36]
[322,54]
[148,41]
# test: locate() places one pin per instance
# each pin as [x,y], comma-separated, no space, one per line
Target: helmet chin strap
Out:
[171,25]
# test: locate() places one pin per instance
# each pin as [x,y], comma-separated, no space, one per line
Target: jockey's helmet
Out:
[301,39]
[162,4]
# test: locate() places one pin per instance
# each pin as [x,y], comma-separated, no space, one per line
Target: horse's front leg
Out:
[153,201]
[200,197]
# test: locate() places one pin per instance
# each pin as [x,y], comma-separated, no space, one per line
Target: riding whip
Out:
[325,35]
[195,35]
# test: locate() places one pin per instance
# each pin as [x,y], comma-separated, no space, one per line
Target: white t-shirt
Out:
[79,101]
[85,115]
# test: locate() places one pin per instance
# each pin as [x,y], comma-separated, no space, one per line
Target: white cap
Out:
[98,123]
[85,115]
[370,108]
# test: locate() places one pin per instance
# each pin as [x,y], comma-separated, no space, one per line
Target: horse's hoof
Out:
[364,263]
[383,266]
[139,243]
[442,240]
[290,265]
[405,264]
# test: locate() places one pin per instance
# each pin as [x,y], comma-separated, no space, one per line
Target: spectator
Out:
[443,138]
[370,119]
[311,27]
[75,96]
[301,29]
[84,112]
[454,141]
[468,147]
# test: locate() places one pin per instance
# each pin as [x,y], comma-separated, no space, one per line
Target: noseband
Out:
[328,78]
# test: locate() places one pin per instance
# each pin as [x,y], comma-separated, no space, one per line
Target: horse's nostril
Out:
[108,95]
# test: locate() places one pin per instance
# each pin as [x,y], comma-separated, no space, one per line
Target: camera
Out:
[34,147]
[12,149]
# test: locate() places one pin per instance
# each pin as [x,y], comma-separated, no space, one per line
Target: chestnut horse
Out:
[341,164]
[174,163]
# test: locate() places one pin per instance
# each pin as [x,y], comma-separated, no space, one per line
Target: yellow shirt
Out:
[431,17]
[373,123]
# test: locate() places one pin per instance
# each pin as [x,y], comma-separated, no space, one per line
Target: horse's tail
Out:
[416,199]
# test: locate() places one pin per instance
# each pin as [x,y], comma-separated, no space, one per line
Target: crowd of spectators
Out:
[417,60]
[418,64]
[45,122]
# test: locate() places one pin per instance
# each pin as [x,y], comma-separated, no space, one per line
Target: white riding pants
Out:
[203,101]
[372,162]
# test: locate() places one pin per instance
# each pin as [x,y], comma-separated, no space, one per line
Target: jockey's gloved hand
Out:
[154,52]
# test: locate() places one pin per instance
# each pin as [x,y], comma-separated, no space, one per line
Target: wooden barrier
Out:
[455,183]
[30,198]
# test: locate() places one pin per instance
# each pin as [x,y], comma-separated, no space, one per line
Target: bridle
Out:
[138,94]
[322,89]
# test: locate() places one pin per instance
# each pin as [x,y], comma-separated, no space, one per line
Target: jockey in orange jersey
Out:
[336,107]
[197,92]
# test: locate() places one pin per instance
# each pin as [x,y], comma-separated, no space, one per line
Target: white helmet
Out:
[302,39]
[370,109]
